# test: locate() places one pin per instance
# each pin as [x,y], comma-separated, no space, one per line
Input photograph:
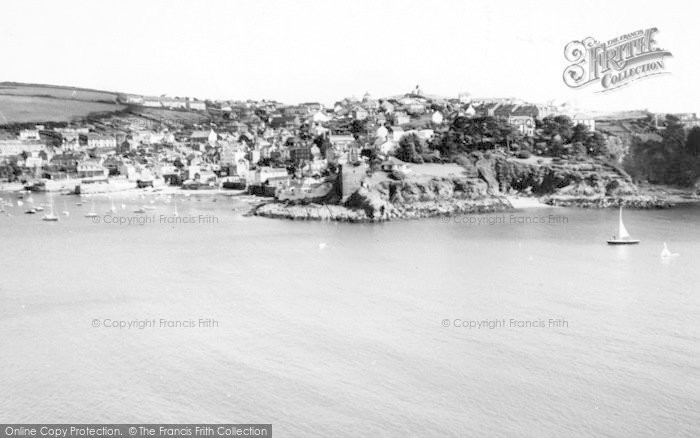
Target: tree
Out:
[16,170]
[579,149]
[580,133]
[557,146]
[370,153]
[358,127]
[615,147]
[470,134]
[674,134]
[323,143]
[559,125]
[692,143]
[410,148]
[596,144]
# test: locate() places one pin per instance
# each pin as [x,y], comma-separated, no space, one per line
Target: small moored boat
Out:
[623,237]
[92,212]
[666,253]
[50,217]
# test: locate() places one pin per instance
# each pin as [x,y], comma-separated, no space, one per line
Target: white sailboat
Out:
[92,210]
[50,217]
[666,253]
[112,208]
[29,210]
[623,237]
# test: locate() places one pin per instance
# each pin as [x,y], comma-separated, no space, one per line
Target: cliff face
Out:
[572,183]
[437,196]
[587,178]
[436,189]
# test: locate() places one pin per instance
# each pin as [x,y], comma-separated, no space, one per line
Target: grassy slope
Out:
[29,103]
[36,103]
[30,109]
[58,92]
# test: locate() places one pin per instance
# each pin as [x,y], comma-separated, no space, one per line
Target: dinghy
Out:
[666,253]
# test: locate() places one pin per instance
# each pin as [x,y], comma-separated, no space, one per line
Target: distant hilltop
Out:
[26,102]
[163,102]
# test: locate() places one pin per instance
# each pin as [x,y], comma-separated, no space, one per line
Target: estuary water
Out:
[523,324]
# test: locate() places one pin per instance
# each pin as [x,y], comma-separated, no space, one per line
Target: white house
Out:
[101,141]
[263,174]
[397,133]
[16,147]
[387,147]
[152,103]
[465,97]
[341,141]
[401,118]
[584,119]
[525,124]
[89,169]
[470,112]
[212,137]
[242,167]
[29,134]
[197,105]
[320,117]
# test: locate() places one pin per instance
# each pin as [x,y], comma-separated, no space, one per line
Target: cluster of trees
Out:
[556,136]
[477,133]
[566,138]
[674,159]
[411,149]
[10,170]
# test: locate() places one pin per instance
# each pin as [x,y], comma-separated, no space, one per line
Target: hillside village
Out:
[306,152]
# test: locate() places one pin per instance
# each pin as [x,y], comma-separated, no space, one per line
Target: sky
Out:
[324,50]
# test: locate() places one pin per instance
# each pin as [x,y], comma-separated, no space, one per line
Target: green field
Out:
[32,103]
[58,92]
[30,109]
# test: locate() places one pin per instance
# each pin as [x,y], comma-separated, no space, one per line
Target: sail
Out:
[665,252]
[622,233]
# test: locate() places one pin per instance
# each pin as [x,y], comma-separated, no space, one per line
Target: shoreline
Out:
[418,210]
[453,207]
[649,197]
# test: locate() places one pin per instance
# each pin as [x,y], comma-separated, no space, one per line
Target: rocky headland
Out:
[485,186]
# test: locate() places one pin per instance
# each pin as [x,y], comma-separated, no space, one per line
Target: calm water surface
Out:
[338,329]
